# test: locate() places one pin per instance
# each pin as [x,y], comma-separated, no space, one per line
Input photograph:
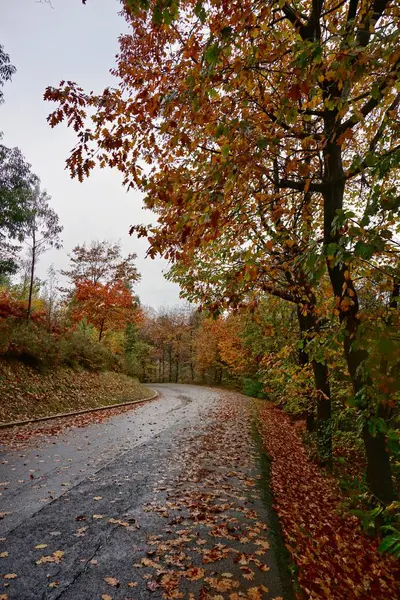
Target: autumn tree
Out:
[228,101]
[101,262]
[104,305]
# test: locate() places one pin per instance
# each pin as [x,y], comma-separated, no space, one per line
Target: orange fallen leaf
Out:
[112,581]
[254,593]
[52,558]
[194,573]
[10,576]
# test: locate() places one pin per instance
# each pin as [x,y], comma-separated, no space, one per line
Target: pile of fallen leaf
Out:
[336,560]
[26,393]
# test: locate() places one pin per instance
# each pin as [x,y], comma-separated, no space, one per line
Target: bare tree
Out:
[42,231]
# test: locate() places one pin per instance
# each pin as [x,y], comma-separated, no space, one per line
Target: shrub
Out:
[253,388]
[80,350]
[30,343]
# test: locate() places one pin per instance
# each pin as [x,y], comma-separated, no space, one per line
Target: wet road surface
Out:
[86,511]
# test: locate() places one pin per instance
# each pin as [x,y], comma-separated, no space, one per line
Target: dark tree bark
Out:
[170,364]
[309,328]
[378,464]
[32,277]
[101,330]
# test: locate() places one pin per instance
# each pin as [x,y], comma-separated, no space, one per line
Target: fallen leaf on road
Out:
[194,573]
[152,585]
[40,546]
[52,558]
[118,522]
[112,581]
[106,597]
[255,593]
[3,554]
[132,584]
[98,516]
[97,497]
[10,576]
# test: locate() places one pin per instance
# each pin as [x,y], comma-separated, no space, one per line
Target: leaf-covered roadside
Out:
[216,543]
[334,557]
[27,394]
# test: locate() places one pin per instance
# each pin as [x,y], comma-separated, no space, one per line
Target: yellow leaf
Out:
[112,581]
[40,546]
[3,554]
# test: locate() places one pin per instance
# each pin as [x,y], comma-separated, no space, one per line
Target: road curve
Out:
[32,478]
[159,502]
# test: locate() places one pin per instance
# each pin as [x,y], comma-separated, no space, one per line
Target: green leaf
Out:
[370,160]
[388,542]
[200,11]
[363,250]
[212,54]
[225,151]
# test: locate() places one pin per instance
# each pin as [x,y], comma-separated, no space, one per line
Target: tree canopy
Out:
[266,134]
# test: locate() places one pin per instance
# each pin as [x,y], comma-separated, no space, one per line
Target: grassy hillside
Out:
[26,393]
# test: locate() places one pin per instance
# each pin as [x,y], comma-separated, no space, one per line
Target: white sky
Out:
[78,43]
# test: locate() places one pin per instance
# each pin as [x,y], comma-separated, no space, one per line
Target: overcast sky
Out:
[79,43]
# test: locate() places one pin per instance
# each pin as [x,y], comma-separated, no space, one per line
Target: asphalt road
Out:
[90,504]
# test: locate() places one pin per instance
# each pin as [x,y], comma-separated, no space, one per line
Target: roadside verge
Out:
[76,412]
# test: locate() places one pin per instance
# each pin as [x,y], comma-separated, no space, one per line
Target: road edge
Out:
[77,412]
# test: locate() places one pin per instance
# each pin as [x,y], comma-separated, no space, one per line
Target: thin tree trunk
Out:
[170,364]
[101,330]
[32,276]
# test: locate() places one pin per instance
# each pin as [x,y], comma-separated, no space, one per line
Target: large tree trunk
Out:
[378,465]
